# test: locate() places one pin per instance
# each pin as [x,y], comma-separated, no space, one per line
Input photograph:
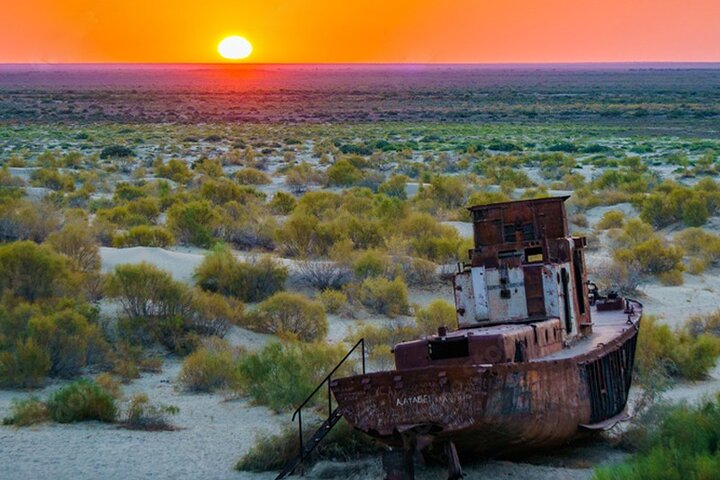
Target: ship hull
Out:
[494,409]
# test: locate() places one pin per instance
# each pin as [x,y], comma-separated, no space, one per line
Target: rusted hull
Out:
[493,409]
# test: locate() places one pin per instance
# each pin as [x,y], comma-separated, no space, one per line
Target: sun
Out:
[235,48]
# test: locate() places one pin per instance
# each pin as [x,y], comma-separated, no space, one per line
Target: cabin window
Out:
[509,233]
[448,347]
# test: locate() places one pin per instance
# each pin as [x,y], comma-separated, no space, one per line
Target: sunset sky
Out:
[439,31]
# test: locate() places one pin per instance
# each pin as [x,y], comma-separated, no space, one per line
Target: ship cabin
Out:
[522,296]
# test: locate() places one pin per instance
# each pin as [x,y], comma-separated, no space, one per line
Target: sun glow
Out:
[235,48]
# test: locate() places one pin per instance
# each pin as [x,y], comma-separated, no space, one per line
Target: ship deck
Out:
[607,326]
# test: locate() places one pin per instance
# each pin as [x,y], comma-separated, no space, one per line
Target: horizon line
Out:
[240,64]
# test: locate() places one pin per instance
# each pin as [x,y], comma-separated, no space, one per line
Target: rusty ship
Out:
[538,357]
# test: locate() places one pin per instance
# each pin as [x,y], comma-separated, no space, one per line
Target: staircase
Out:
[334,416]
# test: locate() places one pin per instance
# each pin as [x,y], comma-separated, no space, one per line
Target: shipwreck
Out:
[537,359]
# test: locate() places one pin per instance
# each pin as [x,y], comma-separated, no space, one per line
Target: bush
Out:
[674,442]
[324,274]
[250,281]
[213,314]
[283,375]
[437,314]
[27,412]
[34,343]
[333,300]
[116,151]
[678,353]
[175,170]
[292,313]
[282,203]
[210,368]
[33,272]
[653,256]
[80,401]
[343,173]
[144,236]
[379,340]
[343,443]
[251,176]
[143,415]
[385,296]
[74,242]
[611,219]
[371,263]
[156,307]
[194,222]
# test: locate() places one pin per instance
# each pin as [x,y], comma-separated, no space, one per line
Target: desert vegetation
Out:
[298,239]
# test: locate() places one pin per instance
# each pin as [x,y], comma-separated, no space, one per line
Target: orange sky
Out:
[361,31]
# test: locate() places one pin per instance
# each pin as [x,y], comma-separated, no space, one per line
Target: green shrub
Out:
[388,297]
[80,401]
[292,313]
[144,236]
[674,442]
[281,376]
[210,368]
[437,314]
[333,300]
[271,452]
[251,176]
[671,278]
[379,340]
[193,222]
[116,151]
[611,219]
[394,187]
[251,281]
[27,412]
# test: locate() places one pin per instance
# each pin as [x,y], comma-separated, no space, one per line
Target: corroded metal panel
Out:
[506,294]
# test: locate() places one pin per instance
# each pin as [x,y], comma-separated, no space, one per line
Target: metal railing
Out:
[298,411]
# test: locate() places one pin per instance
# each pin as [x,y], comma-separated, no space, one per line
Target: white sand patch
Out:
[215,434]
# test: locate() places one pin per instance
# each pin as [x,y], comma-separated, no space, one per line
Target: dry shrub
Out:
[388,297]
[292,313]
[380,339]
[671,278]
[324,275]
[611,219]
[250,281]
[416,272]
[108,383]
[29,411]
[213,314]
[271,452]
[438,313]
[371,263]
[144,236]
[143,415]
[211,367]
[251,176]
[333,300]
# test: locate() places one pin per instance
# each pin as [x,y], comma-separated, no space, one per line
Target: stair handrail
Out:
[298,411]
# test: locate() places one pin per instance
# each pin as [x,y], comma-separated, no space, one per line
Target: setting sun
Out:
[235,48]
